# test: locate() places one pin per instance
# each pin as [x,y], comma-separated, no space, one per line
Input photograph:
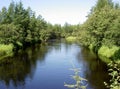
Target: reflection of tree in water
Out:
[16,69]
[57,45]
[96,71]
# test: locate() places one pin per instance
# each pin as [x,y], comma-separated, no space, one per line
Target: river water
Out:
[47,66]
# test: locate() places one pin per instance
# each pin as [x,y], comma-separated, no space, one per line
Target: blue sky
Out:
[58,11]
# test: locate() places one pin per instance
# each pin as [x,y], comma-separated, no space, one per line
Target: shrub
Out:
[114,72]
[116,55]
[107,51]
[71,38]
[6,49]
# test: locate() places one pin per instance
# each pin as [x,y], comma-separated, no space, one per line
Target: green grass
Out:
[71,38]
[106,52]
[104,59]
[6,50]
[117,87]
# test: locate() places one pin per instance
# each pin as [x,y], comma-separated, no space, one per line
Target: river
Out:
[47,66]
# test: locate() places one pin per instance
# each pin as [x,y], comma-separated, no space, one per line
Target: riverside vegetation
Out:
[101,34]
[20,27]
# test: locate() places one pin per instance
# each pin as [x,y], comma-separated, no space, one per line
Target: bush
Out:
[114,72]
[116,55]
[6,50]
[107,51]
[71,38]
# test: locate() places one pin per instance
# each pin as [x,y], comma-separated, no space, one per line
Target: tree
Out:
[102,3]
[3,15]
[11,12]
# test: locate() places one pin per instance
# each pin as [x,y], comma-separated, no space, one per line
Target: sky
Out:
[58,11]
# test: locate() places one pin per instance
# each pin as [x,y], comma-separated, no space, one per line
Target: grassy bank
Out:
[106,53]
[111,56]
[71,38]
[6,50]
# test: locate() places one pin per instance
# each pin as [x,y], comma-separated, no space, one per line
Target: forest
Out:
[20,28]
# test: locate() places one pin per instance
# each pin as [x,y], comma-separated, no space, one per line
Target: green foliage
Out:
[116,55]
[84,37]
[101,28]
[101,33]
[71,38]
[114,72]
[102,3]
[6,50]
[20,27]
[8,33]
[107,51]
[69,30]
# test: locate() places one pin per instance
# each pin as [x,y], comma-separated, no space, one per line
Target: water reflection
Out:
[95,70]
[17,69]
[46,66]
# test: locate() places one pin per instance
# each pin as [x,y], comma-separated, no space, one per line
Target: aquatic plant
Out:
[79,80]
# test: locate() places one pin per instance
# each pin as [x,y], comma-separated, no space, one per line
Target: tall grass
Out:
[71,38]
[6,50]
[107,52]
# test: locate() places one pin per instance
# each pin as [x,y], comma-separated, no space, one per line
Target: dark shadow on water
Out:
[95,70]
[15,70]
[46,66]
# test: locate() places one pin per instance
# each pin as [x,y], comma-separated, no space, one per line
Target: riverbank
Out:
[10,49]
[6,50]
[107,54]
[71,38]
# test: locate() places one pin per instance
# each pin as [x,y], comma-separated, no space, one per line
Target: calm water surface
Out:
[47,67]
